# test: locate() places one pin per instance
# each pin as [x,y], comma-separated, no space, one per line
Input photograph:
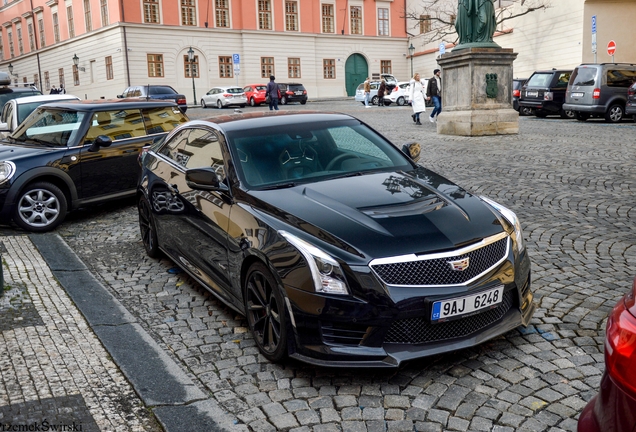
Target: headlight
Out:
[326,272]
[512,219]
[7,169]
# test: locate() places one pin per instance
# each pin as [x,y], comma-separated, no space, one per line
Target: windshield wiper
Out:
[279,186]
[351,174]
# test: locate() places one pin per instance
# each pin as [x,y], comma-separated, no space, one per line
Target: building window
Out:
[56,28]
[31,37]
[225,67]
[425,23]
[291,16]
[36,81]
[76,80]
[109,68]
[356,19]
[103,5]
[60,74]
[71,25]
[267,67]
[222,13]
[188,13]
[151,11]
[20,44]
[1,48]
[264,15]
[87,16]
[327,18]
[41,30]
[155,65]
[385,66]
[293,67]
[10,37]
[47,81]
[191,69]
[329,68]
[383,21]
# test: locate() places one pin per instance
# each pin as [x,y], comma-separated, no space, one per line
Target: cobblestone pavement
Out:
[571,183]
[54,372]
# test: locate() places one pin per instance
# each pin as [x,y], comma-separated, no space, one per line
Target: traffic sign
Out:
[611,47]
[593,24]
[442,48]
[236,58]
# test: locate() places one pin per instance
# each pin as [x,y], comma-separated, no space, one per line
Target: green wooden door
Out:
[356,71]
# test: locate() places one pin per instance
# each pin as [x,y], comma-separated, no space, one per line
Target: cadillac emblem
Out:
[460,265]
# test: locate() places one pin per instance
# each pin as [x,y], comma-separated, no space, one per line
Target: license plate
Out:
[577,94]
[299,92]
[456,307]
[532,94]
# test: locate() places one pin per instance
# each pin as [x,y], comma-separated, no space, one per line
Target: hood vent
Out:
[412,208]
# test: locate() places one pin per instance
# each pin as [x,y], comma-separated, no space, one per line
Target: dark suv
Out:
[517,83]
[158,92]
[8,92]
[72,154]
[544,92]
[600,90]
[630,105]
[292,92]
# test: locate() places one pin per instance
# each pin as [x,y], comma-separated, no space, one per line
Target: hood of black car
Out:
[10,152]
[386,214]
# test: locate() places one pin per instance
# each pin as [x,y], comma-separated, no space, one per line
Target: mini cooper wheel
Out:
[148,229]
[266,314]
[41,207]
[219,104]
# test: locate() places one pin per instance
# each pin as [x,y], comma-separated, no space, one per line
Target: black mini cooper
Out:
[337,246]
[71,154]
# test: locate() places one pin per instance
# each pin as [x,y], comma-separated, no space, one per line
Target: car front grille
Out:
[421,330]
[436,270]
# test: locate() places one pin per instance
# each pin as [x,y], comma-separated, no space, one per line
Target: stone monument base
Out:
[477,92]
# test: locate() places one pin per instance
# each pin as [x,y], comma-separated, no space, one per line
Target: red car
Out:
[614,408]
[255,93]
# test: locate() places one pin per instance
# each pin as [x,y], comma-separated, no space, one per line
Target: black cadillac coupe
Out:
[334,243]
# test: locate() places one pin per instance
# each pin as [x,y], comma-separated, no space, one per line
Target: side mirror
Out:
[204,179]
[121,96]
[412,150]
[100,141]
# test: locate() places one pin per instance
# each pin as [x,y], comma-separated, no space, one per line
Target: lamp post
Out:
[411,51]
[10,67]
[76,63]
[191,60]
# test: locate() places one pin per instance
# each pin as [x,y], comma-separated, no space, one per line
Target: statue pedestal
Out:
[467,108]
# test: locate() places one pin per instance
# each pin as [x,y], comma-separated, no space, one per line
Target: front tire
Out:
[614,114]
[148,229]
[266,313]
[219,104]
[203,104]
[41,207]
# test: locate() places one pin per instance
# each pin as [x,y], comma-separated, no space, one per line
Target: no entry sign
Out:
[611,47]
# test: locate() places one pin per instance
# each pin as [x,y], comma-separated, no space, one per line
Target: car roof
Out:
[44,98]
[552,71]
[229,87]
[261,119]
[252,85]
[106,104]
[4,89]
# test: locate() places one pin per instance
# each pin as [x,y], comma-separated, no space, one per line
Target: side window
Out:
[164,119]
[620,77]
[196,148]
[564,78]
[116,125]
[348,139]
[6,112]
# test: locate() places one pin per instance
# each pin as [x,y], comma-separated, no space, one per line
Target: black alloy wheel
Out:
[41,207]
[148,229]
[265,310]
[303,102]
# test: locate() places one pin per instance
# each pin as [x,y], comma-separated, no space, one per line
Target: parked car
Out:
[338,246]
[614,408]
[16,110]
[9,91]
[400,94]
[630,105]
[157,92]
[71,154]
[600,90]
[223,97]
[373,94]
[517,83]
[544,93]
[292,92]
[255,93]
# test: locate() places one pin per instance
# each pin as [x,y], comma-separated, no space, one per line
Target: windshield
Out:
[583,77]
[25,109]
[234,90]
[54,127]
[311,152]
[540,80]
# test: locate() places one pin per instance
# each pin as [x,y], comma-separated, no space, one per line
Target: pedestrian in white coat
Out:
[417,98]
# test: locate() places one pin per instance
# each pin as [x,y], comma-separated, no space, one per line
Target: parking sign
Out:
[236,58]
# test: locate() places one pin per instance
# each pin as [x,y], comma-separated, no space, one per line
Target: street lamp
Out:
[411,51]
[10,67]
[76,63]
[191,60]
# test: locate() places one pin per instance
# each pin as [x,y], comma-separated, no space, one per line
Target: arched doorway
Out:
[356,70]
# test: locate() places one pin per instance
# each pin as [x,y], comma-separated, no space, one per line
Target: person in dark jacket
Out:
[273,92]
[434,91]
[381,91]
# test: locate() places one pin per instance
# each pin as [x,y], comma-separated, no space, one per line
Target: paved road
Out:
[571,183]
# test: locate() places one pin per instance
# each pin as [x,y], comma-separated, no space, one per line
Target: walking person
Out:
[53,90]
[273,92]
[367,92]
[381,91]
[416,93]
[434,92]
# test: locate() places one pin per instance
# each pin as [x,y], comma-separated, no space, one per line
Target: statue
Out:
[475,23]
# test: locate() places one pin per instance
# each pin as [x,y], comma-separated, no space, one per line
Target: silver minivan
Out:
[599,90]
